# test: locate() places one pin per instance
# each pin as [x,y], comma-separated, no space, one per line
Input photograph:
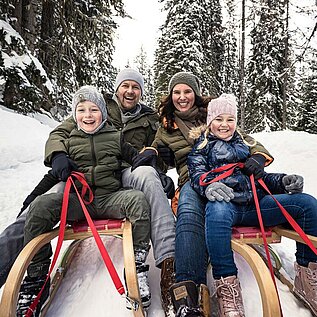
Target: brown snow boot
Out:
[305,285]
[229,297]
[204,300]
[167,280]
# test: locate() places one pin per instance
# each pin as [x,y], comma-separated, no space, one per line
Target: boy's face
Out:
[129,94]
[183,97]
[88,116]
[223,126]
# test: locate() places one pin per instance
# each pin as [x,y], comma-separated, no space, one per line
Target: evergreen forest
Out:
[252,48]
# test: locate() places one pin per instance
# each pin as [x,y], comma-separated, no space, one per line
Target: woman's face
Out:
[183,97]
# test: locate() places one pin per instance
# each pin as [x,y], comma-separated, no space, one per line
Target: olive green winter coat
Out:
[99,157]
[139,131]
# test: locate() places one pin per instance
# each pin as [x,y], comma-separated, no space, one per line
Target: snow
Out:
[87,289]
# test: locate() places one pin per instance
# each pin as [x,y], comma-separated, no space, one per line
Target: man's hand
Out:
[147,157]
[219,191]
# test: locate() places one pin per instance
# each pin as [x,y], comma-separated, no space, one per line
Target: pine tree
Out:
[73,40]
[265,68]
[179,46]
[144,68]
[230,69]
[308,120]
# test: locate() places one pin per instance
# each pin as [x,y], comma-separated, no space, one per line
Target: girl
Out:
[230,203]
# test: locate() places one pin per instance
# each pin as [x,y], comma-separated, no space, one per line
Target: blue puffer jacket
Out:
[217,153]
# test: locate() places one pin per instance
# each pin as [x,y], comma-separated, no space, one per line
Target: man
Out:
[138,124]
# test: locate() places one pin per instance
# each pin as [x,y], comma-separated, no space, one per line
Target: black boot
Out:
[185,299]
[30,287]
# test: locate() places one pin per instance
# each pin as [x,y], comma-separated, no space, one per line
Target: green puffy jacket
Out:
[99,157]
[181,148]
[139,131]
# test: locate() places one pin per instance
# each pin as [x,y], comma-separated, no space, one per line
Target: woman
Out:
[182,109]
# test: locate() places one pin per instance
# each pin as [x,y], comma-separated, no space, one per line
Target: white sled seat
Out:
[78,232]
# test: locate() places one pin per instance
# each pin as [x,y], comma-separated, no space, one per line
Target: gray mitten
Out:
[219,191]
[293,183]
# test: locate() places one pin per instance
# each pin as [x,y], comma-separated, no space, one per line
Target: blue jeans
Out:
[221,216]
[191,257]
[11,244]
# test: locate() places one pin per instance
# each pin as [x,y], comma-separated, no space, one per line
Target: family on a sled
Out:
[124,149]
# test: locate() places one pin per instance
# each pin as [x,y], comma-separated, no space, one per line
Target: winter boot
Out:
[229,297]
[167,280]
[142,271]
[204,300]
[185,299]
[30,288]
[305,285]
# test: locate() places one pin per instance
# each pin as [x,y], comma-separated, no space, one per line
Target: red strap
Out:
[226,169]
[291,220]
[266,247]
[113,273]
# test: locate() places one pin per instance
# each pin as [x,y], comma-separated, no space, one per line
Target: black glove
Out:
[146,158]
[26,202]
[167,184]
[46,183]
[166,154]
[293,184]
[62,166]
[254,165]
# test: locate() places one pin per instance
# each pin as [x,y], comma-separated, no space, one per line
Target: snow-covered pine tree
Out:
[265,68]
[180,44]
[73,42]
[230,70]
[144,68]
[308,113]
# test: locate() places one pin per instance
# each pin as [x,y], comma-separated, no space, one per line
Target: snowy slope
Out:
[87,289]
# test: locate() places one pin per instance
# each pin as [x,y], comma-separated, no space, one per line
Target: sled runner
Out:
[248,242]
[105,227]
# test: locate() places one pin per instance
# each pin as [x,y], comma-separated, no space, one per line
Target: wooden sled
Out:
[105,227]
[242,240]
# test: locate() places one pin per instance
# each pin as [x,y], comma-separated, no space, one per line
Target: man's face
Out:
[129,94]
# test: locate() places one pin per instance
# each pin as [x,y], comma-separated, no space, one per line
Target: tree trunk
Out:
[242,75]
[46,36]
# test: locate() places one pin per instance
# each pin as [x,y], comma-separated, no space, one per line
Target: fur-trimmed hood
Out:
[195,133]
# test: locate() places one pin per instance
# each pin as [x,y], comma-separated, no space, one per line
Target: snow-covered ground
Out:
[87,289]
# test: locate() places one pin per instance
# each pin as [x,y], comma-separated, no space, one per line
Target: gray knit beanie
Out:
[185,78]
[129,74]
[89,93]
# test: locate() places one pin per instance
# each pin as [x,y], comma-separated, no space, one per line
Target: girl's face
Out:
[88,116]
[183,97]
[223,126]
[129,94]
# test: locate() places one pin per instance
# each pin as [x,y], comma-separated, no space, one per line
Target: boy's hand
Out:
[62,166]
[219,191]
[293,183]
